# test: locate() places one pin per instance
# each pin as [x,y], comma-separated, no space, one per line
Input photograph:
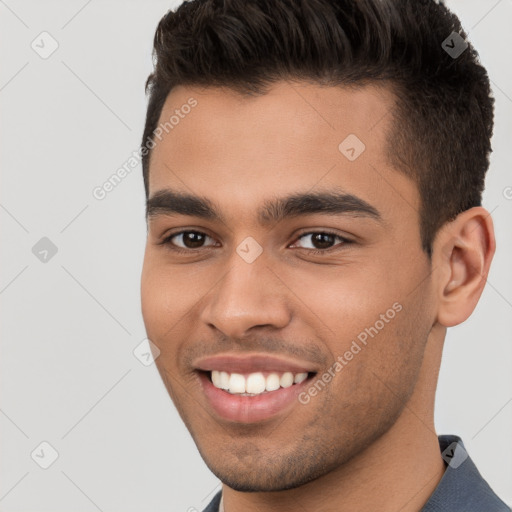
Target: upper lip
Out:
[251,363]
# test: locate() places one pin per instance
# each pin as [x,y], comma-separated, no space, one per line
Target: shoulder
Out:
[462,488]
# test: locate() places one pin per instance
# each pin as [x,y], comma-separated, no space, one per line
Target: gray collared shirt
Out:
[461,489]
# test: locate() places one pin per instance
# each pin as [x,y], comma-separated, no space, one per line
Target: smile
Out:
[256,383]
[249,388]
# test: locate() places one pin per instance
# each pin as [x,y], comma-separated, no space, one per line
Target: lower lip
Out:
[250,409]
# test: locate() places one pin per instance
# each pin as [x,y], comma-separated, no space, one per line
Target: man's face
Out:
[365,303]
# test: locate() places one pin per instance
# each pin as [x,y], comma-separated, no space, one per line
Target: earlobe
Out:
[462,255]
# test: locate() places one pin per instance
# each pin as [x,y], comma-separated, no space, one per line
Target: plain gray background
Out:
[70,324]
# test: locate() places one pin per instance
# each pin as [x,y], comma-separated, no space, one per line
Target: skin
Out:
[367,441]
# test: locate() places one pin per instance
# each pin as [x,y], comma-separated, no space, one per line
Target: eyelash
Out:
[167,241]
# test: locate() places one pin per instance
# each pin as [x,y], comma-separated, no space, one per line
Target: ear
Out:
[462,253]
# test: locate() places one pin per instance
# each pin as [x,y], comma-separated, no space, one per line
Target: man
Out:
[313,174]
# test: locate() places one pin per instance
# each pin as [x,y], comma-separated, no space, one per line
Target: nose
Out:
[248,296]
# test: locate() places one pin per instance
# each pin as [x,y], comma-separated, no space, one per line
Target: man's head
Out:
[326,163]
[442,114]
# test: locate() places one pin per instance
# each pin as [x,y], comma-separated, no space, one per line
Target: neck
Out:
[397,472]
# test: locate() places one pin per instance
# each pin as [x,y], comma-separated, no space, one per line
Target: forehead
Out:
[237,150]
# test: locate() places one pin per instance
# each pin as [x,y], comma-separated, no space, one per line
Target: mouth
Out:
[252,397]
[255,383]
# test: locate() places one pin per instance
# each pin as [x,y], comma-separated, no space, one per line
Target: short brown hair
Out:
[443,118]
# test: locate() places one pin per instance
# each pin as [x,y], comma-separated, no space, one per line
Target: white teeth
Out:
[255,383]
[236,383]
[300,377]
[272,382]
[216,378]
[224,380]
[286,380]
[220,379]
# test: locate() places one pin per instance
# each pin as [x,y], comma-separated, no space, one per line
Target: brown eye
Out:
[322,241]
[186,240]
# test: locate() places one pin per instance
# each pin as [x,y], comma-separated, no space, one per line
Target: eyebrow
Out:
[169,202]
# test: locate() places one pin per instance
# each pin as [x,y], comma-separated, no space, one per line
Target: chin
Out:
[269,478]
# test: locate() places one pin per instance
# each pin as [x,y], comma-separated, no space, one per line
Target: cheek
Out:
[170,301]
[349,298]
[378,375]
[370,316]
[160,303]
[394,340]
[167,293]
[152,294]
